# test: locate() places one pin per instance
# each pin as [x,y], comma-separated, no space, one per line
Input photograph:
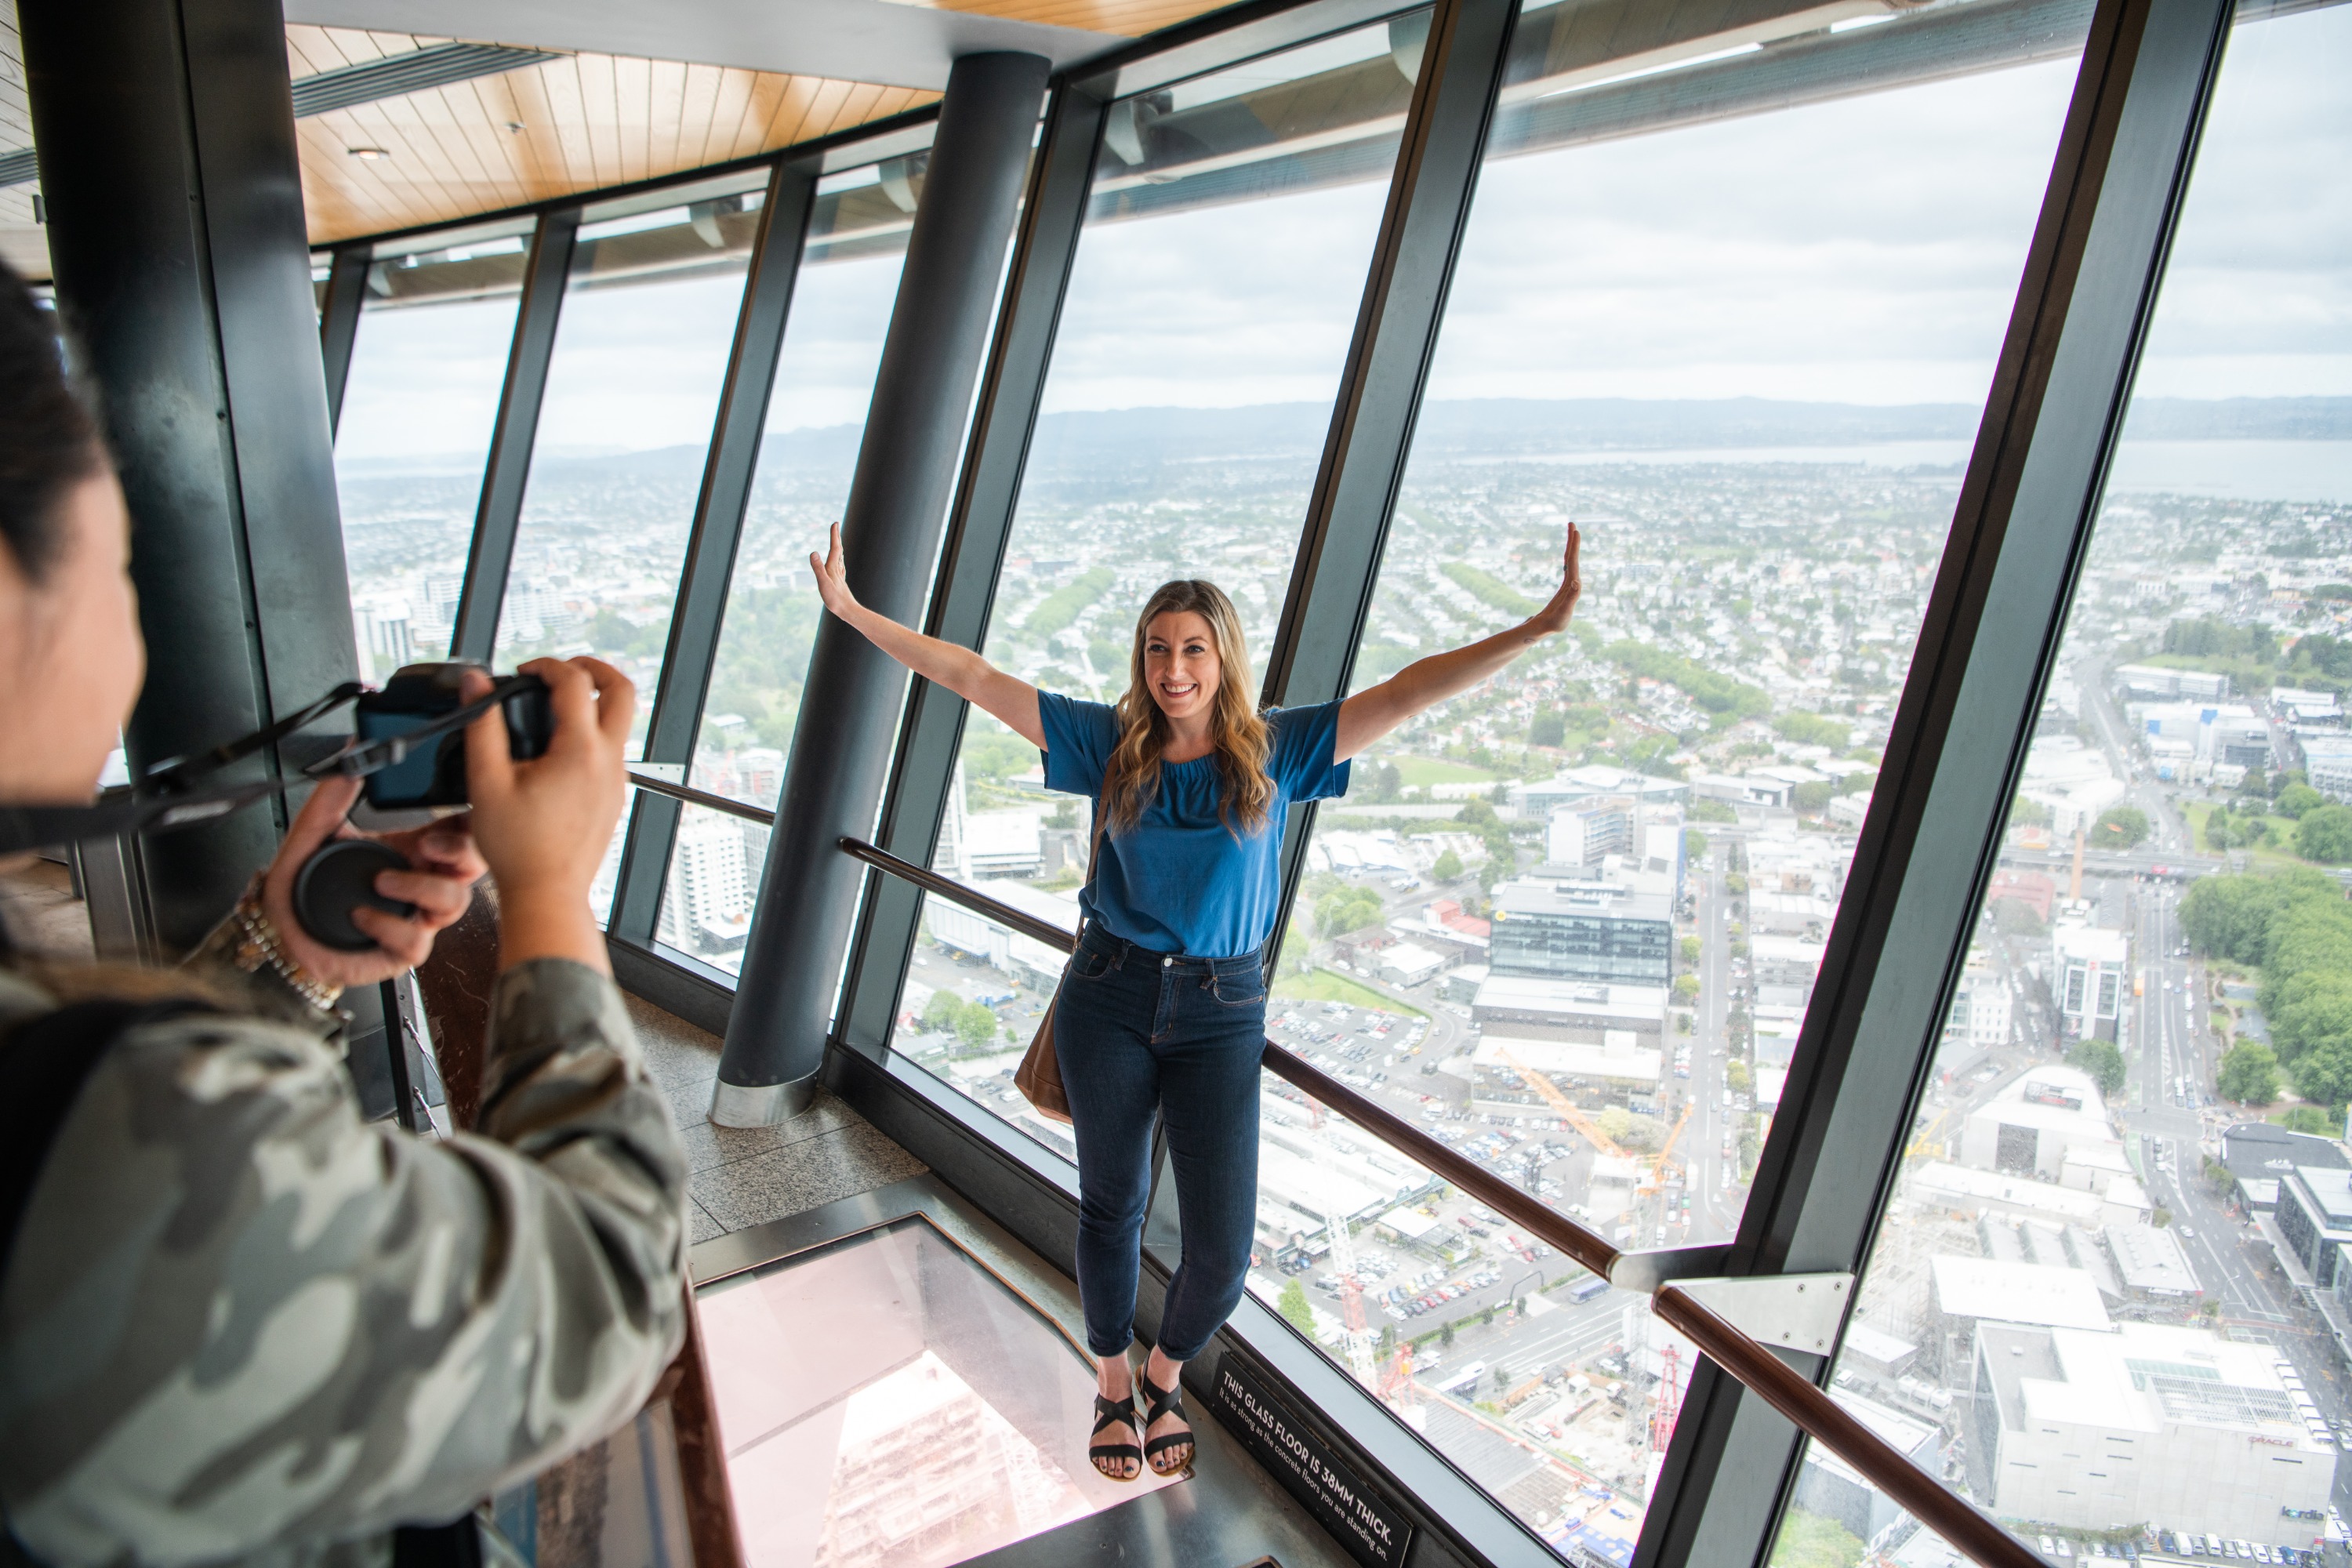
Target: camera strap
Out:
[173,794]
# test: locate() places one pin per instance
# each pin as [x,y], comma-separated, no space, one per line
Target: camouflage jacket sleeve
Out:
[236,1317]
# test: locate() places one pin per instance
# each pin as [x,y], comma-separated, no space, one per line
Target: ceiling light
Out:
[369,153]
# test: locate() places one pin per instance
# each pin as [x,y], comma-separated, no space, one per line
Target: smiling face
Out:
[1180,666]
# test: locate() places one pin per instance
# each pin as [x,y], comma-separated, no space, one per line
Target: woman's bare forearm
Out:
[1424,683]
[1011,701]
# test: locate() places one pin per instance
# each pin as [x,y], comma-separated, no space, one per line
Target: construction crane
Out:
[1398,1383]
[1567,1107]
[1663,1414]
[1658,1165]
[1351,1302]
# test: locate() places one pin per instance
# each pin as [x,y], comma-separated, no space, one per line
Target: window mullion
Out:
[979,528]
[728,473]
[1961,735]
[339,324]
[473,631]
[1370,439]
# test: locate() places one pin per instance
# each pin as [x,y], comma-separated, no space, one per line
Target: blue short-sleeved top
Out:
[1180,881]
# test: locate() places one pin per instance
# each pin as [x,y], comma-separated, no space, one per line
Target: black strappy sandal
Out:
[1158,1403]
[1107,1413]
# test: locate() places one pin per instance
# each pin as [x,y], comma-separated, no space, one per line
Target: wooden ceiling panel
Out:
[1130,19]
[579,123]
[21,243]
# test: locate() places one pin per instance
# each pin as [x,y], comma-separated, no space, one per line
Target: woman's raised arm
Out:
[1369,714]
[960,671]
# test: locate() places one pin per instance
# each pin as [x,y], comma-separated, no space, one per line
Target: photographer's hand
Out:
[444,867]
[543,825]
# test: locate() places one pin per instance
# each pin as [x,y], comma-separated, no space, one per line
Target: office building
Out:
[2039,1123]
[1596,932]
[2313,1218]
[2142,1424]
[2090,977]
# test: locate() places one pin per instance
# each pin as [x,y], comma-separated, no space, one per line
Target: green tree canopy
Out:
[1549,728]
[1346,910]
[2103,1061]
[2119,827]
[2324,1073]
[2249,1074]
[2310,1119]
[1448,867]
[977,1028]
[2325,834]
[2015,917]
[1694,843]
[1812,729]
[2298,798]
[1808,1539]
[1293,1306]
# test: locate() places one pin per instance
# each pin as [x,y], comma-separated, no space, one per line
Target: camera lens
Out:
[338,880]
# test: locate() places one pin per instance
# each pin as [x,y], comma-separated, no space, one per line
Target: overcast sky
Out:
[1863,250]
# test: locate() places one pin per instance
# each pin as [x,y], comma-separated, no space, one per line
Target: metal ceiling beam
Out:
[396,76]
[419,70]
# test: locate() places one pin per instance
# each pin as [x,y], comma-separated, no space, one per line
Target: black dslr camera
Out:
[411,750]
[423,701]
[434,773]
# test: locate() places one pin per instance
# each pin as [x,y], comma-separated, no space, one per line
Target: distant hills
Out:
[1131,442]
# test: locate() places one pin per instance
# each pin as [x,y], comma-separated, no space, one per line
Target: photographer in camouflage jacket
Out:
[237,1323]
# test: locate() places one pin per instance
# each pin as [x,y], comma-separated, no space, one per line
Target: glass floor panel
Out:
[948,1415]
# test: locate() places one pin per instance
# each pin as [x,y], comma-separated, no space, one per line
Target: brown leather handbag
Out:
[1039,1077]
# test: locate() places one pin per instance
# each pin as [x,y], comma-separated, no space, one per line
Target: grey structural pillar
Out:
[905,476]
[174,205]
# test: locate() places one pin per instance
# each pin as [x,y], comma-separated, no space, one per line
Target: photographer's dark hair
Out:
[49,442]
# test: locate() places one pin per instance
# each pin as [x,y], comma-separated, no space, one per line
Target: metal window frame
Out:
[705,575]
[1989,640]
[339,324]
[980,527]
[1988,643]
[1994,619]
[498,515]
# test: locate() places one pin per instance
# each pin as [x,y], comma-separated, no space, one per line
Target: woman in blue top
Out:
[1162,1009]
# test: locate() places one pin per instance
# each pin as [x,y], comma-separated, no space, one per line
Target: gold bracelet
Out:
[260,944]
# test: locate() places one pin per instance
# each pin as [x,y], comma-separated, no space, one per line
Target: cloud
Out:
[2257,298]
[1864,249]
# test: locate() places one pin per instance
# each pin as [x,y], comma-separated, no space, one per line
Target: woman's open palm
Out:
[832,577]
[1554,616]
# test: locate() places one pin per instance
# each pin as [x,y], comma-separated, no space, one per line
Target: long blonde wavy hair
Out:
[1242,740]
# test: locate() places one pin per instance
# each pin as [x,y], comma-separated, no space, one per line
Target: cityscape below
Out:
[1571,922]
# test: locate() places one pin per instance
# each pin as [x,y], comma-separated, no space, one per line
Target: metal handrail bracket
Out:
[1735,1322]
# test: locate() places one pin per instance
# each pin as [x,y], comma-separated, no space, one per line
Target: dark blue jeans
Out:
[1139,1033]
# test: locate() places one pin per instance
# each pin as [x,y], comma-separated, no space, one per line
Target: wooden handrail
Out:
[1747,1360]
[1830,1424]
[702,798]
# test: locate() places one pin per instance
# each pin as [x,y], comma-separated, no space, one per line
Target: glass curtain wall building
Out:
[1815,898]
